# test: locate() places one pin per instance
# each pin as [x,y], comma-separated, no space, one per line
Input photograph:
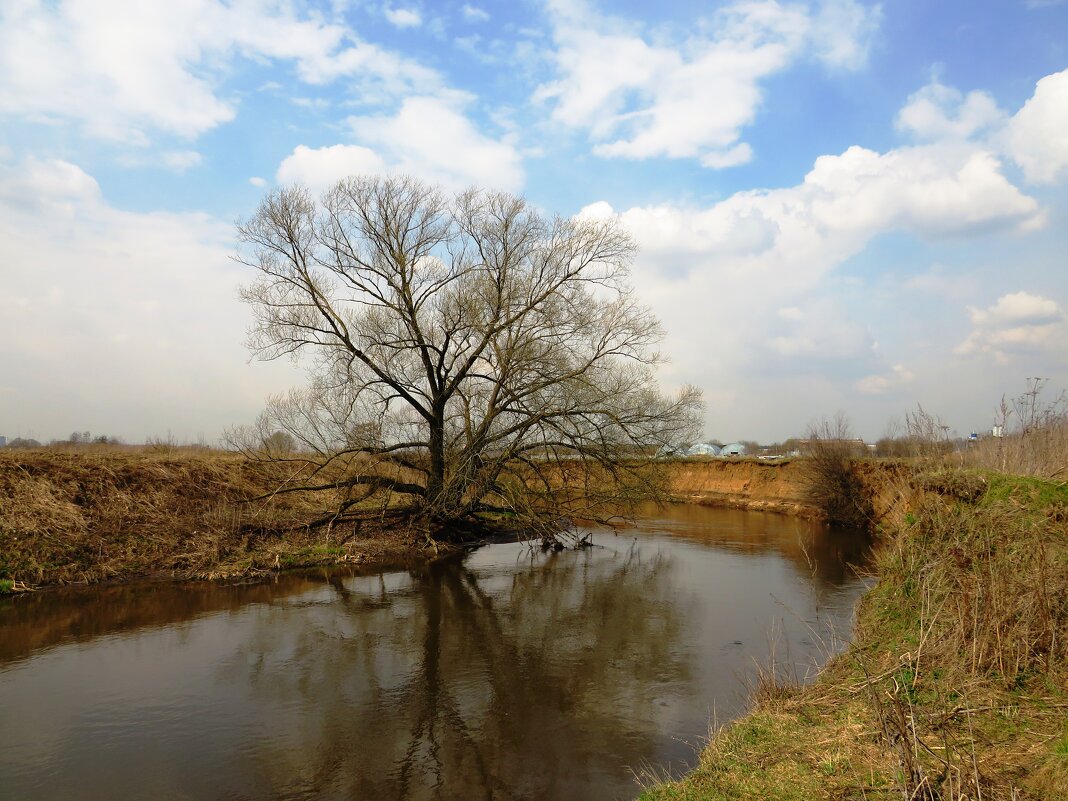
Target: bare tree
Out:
[467,353]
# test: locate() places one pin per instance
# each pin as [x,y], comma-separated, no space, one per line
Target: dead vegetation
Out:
[834,484]
[1036,446]
[99,513]
[956,686]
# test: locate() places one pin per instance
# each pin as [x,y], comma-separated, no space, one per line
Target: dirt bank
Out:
[91,515]
[741,484]
[781,486]
[97,515]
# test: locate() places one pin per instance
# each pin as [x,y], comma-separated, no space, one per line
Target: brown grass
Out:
[97,513]
[1039,451]
[956,686]
[834,483]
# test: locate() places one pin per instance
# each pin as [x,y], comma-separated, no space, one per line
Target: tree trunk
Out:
[435,485]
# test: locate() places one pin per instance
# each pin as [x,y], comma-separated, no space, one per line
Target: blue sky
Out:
[840,204]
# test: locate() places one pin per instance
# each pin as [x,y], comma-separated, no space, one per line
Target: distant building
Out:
[734,449]
[3,441]
[702,449]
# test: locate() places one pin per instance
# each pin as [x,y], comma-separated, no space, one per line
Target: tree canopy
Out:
[467,354]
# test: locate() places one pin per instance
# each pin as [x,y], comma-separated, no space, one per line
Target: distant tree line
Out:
[76,438]
[23,442]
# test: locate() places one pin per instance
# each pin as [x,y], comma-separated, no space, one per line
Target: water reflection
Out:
[504,675]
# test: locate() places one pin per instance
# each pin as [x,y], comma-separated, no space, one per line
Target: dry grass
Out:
[956,686]
[1039,451]
[97,513]
[835,486]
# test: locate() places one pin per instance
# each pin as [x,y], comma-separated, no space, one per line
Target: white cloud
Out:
[404,17]
[895,378]
[116,321]
[474,13]
[427,137]
[124,70]
[690,97]
[750,288]
[181,160]
[257,181]
[820,334]
[318,168]
[1034,137]
[842,32]
[930,190]
[1037,136]
[1019,308]
[1015,323]
[942,112]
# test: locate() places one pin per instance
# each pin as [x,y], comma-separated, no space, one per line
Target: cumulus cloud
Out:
[404,17]
[429,137]
[750,287]
[758,290]
[690,97]
[1036,138]
[116,321]
[318,168]
[1015,323]
[931,190]
[942,112]
[125,70]
[1020,308]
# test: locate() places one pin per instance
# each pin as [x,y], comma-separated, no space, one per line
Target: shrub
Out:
[834,487]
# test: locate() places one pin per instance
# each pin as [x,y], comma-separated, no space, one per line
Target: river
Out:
[504,674]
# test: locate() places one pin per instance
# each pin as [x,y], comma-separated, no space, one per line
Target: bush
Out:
[956,484]
[834,487]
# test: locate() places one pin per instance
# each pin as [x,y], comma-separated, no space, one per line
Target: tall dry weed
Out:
[833,483]
[968,634]
[1032,436]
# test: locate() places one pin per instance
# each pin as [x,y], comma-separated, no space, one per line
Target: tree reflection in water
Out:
[506,674]
[535,681]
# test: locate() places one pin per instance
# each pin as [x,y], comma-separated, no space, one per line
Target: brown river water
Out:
[504,674]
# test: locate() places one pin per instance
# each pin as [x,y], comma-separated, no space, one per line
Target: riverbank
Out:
[114,514]
[956,684]
[100,514]
[741,483]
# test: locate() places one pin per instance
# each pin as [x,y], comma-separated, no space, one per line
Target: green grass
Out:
[1033,494]
[1060,747]
[311,555]
[7,586]
[956,685]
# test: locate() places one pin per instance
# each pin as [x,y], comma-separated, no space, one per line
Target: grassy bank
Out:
[956,686]
[100,514]
[93,513]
